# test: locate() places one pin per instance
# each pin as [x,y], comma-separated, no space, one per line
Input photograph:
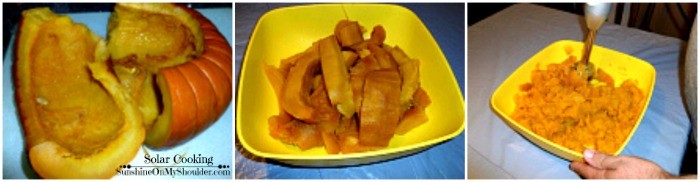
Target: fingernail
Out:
[588,153]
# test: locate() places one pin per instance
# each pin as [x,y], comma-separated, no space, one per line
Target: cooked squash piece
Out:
[336,77]
[350,58]
[277,125]
[298,85]
[287,63]
[383,58]
[347,125]
[348,137]
[398,55]
[378,35]
[326,116]
[357,77]
[317,82]
[421,99]
[411,82]
[415,116]
[377,39]
[294,132]
[330,141]
[348,33]
[379,114]
[149,103]
[305,135]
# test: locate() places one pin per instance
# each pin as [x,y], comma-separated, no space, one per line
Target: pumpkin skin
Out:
[194,93]
[207,79]
[56,95]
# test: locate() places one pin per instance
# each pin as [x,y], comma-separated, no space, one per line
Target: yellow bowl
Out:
[284,32]
[619,65]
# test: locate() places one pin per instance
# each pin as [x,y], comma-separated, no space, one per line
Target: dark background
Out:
[670,19]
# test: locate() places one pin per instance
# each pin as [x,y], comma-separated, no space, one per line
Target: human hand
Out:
[599,166]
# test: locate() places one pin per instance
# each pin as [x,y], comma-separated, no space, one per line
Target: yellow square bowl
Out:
[619,65]
[284,32]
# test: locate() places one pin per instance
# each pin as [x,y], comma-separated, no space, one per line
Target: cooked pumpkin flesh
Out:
[73,111]
[336,76]
[379,114]
[566,109]
[346,93]
[152,38]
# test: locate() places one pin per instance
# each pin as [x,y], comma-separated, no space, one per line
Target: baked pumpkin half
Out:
[175,63]
[87,105]
[79,122]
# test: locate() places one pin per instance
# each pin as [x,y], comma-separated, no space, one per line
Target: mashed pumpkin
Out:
[566,109]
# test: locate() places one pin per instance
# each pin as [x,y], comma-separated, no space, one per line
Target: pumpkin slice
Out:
[377,39]
[336,76]
[298,84]
[328,118]
[383,58]
[295,132]
[411,82]
[415,116]
[348,33]
[190,60]
[379,114]
[357,77]
[348,140]
[75,127]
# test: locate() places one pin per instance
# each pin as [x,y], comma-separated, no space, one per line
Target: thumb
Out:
[586,171]
[600,160]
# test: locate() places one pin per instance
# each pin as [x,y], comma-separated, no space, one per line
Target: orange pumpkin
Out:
[194,93]
[78,128]
[74,127]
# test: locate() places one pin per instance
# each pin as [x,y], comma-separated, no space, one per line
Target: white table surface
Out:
[499,44]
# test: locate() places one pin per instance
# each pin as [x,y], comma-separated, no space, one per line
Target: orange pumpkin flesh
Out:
[379,97]
[379,114]
[75,127]
[160,129]
[414,116]
[58,97]
[153,35]
[198,89]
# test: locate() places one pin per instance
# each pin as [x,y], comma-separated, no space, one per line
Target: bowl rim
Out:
[511,122]
[376,153]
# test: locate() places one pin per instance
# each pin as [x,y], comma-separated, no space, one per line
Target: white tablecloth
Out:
[499,44]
